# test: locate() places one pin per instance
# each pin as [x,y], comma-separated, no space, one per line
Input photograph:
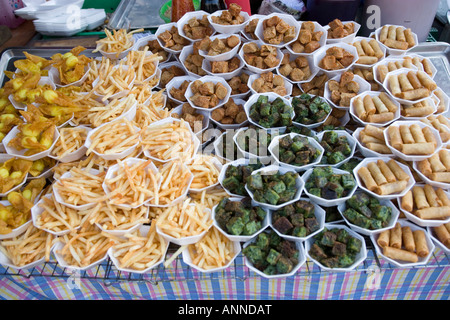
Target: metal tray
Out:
[136,14]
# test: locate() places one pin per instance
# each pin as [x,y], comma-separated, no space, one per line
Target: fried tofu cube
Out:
[220,91]
[336,52]
[219,66]
[285,69]
[305,36]
[336,23]
[311,47]
[297,74]
[269,33]
[301,62]
[206,88]
[339,32]
[298,47]
[226,16]
[289,35]
[201,101]
[250,48]
[282,26]
[345,99]
[233,41]
[273,21]
[235,9]
[308,25]
[271,61]
[347,59]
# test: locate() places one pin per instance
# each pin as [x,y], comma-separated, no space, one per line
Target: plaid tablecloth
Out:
[375,279]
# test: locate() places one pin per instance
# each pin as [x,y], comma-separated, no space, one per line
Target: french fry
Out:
[116,41]
[204,170]
[70,140]
[144,63]
[101,113]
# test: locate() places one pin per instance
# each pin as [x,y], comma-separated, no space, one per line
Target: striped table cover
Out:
[430,282]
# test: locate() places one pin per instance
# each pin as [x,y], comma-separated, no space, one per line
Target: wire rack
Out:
[179,271]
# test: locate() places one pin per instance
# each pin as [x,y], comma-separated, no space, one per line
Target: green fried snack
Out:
[337,148]
[296,151]
[297,219]
[236,177]
[271,114]
[309,110]
[326,184]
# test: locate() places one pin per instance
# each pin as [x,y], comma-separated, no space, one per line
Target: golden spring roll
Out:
[409,38]
[436,164]
[378,147]
[367,179]
[444,156]
[369,60]
[367,48]
[443,198]
[406,134]
[400,254]
[416,132]
[386,171]
[379,104]
[406,202]
[442,235]
[424,167]
[359,48]
[391,187]
[358,106]
[414,80]
[395,236]
[417,110]
[426,81]
[380,117]
[423,148]
[374,131]
[383,33]
[407,63]
[400,34]
[376,173]
[427,67]
[394,85]
[397,170]
[395,137]
[408,239]
[395,44]
[369,106]
[367,74]
[440,177]
[392,33]
[383,238]
[420,199]
[382,72]
[433,213]
[429,135]
[414,95]
[376,48]
[405,85]
[421,243]
[432,197]
[392,107]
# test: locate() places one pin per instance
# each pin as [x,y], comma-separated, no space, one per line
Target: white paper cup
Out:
[347,39]
[321,53]
[53,74]
[366,152]
[236,163]
[59,245]
[411,182]
[181,59]
[286,83]
[299,184]
[427,180]
[327,202]
[21,153]
[42,82]
[3,158]
[368,66]
[412,157]
[272,96]
[235,126]
[176,82]
[256,69]
[289,19]
[117,55]
[222,56]
[364,122]
[198,14]
[74,155]
[391,51]
[142,42]
[206,65]
[247,36]
[376,74]
[16,231]
[322,41]
[216,163]
[436,240]
[166,65]
[274,151]
[364,86]
[214,80]
[166,27]
[228,29]
[187,259]
[218,147]
[360,257]
[391,223]
[320,215]
[404,264]
[351,141]
[312,125]
[301,261]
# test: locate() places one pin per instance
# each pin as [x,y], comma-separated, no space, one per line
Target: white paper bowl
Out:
[175,63]
[205,123]
[432,66]
[327,202]
[215,162]
[176,83]
[195,141]
[360,257]
[313,68]
[228,29]
[223,56]
[21,154]
[359,182]
[181,58]
[130,162]
[121,232]
[64,264]
[436,240]
[289,19]
[299,184]
[253,77]
[321,53]
[74,155]
[412,157]
[110,156]
[322,41]
[235,163]
[391,51]
[273,149]
[53,74]
[264,157]
[385,62]
[376,124]
[418,221]
[430,101]
[272,96]
[183,241]
[60,200]
[119,94]
[17,231]
[143,231]
[312,125]
[214,80]
[187,259]
[234,126]
[36,212]
[206,65]
[42,82]
[198,14]
[117,55]
[143,41]
[240,238]
[5,261]
[387,87]
[364,86]
[367,66]
[301,261]
[351,142]
[166,27]
[366,152]
[347,39]
[394,217]
[404,264]
[320,216]
[253,68]
[427,180]
[247,36]
[218,146]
